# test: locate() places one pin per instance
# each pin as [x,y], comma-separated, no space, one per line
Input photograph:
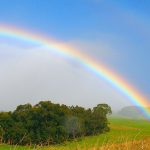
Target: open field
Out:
[124,134]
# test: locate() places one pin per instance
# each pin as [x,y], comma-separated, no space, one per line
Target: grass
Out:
[124,132]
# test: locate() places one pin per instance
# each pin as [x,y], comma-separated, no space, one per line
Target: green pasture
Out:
[122,130]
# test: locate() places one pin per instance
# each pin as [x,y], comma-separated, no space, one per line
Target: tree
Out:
[48,123]
[100,113]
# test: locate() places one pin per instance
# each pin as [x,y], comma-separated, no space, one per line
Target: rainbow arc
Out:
[96,68]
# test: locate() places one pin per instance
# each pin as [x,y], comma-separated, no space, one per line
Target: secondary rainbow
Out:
[93,66]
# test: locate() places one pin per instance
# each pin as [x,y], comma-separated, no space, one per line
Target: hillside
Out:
[131,112]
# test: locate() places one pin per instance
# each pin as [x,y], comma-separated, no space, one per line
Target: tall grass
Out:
[124,144]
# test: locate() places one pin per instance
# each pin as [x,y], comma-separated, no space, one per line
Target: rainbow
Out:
[90,64]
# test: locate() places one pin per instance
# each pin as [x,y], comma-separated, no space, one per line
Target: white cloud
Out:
[36,74]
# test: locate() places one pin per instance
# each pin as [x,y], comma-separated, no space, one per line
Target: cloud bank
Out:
[30,74]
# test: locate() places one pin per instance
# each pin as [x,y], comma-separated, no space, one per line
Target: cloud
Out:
[36,74]
[105,52]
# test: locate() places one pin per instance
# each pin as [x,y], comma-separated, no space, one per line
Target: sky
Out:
[115,33]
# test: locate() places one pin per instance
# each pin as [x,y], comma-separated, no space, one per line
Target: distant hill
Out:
[130,112]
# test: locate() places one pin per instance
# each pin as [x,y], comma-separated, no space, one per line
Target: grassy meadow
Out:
[124,134]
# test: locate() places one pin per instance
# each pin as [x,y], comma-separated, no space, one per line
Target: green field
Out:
[122,130]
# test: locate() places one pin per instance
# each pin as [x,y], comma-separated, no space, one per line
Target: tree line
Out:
[48,123]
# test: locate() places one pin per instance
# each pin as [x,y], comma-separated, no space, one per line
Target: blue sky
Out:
[113,32]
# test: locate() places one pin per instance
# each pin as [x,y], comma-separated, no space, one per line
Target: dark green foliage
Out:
[48,123]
